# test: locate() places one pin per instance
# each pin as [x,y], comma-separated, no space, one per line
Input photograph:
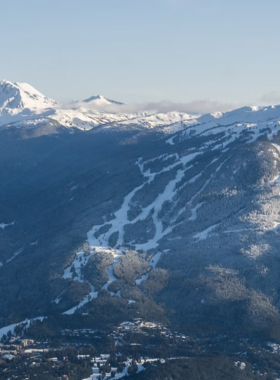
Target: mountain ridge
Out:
[21,104]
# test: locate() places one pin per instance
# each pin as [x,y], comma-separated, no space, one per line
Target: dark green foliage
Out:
[96,270]
[131,266]
[197,369]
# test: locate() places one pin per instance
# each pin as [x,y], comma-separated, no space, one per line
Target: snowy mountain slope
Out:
[244,114]
[254,118]
[79,118]
[250,121]
[171,122]
[84,119]
[21,104]
[22,95]
[243,120]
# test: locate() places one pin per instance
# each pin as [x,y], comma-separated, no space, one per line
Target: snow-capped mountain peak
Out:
[22,95]
[101,100]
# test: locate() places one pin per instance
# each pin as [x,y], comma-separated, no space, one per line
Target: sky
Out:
[204,54]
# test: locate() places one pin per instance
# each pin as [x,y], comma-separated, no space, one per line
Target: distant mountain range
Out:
[21,104]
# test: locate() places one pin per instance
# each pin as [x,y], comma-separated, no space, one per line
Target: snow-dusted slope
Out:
[174,120]
[245,114]
[22,95]
[249,121]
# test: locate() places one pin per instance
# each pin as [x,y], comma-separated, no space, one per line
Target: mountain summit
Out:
[22,95]
[101,100]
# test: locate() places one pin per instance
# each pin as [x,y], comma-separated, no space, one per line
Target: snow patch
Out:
[4,225]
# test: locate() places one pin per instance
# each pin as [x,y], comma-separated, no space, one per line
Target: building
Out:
[27,342]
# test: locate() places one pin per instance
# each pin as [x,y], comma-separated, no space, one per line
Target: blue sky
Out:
[219,51]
